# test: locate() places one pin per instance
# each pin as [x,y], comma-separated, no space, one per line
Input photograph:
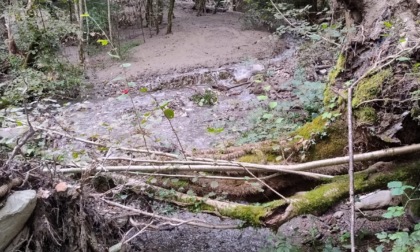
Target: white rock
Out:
[257,68]
[338,214]
[375,200]
[242,74]
[323,71]
[13,216]
[9,133]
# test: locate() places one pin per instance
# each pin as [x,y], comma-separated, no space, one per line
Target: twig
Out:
[139,232]
[239,85]
[269,187]
[386,100]
[384,62]
[292,168]
[203,176]
[136,224]
[351,170]
[172,127]
[157,153]
[207,168]
[28,134]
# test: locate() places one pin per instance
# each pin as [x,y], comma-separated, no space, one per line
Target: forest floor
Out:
[208,41]
[206,52]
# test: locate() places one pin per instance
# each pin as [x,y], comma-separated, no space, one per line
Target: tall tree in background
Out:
[170,16]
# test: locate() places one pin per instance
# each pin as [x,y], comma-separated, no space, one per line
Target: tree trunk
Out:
[170,16]
[80,34]
[201,7]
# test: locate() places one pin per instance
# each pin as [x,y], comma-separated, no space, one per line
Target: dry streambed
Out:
[227,98]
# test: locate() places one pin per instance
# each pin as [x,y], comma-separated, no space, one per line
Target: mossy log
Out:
[277,212]
[323,197]
[251,214]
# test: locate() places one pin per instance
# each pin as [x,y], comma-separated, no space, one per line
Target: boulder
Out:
[13,216]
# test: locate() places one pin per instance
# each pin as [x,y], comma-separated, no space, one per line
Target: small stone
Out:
[323,71]
[338,214]
[242,75]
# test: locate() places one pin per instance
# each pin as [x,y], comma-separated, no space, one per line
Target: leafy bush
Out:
[260,13]
[37,70]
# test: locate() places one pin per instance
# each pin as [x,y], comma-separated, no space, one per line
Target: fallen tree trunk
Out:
[252,214]
[277,212]
[320,199]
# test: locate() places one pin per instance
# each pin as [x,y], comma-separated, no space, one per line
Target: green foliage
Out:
[401,240]
[398,188]
[208,98]
[310,93]
[280,244]
[30,83]
[40,72]
[274,118]
[98,10]
[212,130]
[169,113]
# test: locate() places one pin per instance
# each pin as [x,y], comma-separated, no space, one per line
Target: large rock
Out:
[242,74]
[375,200]
[13,216]
[9,133]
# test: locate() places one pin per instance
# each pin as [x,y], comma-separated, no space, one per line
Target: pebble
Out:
[338,214]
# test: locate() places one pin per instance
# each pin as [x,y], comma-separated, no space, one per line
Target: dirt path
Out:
[206,41]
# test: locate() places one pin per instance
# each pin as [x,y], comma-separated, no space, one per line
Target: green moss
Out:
[251,158]
[224,75]
[339,66]
[366,115]
[332,76]
[179,183]
[324,196]
[317,126]
[369,88]
[259,157]
[332,144]
[250,214]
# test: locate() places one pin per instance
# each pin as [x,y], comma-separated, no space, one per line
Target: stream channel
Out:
[239,111]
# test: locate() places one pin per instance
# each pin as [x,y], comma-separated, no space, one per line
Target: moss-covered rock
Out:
[365,115]
[369,88]
[332,76]
[330,138]
[332,144]
[316,127]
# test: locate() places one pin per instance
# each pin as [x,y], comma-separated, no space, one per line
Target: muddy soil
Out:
[196,42]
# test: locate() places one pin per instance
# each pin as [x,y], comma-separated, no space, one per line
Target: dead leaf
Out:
[61,187]
[43,194]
